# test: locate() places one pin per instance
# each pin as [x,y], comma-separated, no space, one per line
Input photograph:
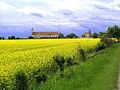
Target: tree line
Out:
[112,32]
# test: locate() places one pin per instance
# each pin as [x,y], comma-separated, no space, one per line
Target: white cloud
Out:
[67,14]
[81,10]
[115,5]
[63,23]
[5,6]
[28,9]
[67,4]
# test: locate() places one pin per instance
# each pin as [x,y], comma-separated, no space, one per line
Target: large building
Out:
[45,34]
[87,34]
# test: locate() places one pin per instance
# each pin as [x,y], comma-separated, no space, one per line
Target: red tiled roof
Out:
[87,33]
[45,33]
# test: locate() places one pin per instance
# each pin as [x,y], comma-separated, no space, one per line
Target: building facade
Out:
[87,34]
[44,34]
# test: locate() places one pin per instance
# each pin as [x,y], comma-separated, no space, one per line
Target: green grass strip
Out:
[99,73]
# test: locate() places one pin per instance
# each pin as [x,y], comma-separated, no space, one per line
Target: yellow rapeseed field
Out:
[30,54]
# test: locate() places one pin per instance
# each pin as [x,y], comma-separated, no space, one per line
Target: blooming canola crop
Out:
[30,54]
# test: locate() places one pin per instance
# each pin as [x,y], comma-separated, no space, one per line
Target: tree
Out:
[101,34]
[72,35]
[95,35]
[11,37]
[3,38]
[30,37]
[61,35]
[17,37]
[0,38]
[114,32]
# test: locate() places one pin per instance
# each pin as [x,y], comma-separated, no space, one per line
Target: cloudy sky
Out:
[17,17]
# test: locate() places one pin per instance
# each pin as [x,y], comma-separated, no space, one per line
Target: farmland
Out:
[31,54]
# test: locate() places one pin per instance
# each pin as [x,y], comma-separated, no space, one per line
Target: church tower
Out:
[32,30]
[90,31]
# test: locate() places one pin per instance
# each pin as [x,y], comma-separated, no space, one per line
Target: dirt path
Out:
[118,86]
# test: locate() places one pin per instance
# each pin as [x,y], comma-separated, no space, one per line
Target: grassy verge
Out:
[99,73]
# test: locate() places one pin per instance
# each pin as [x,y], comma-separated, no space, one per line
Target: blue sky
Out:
[17,17]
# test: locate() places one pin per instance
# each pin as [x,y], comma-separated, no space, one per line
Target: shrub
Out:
[21,81]
[100,46]
[3,84]
[69,73]
[69,61]
[82,54]
[107,41]
[60,62]
[40,75]
[90,50]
